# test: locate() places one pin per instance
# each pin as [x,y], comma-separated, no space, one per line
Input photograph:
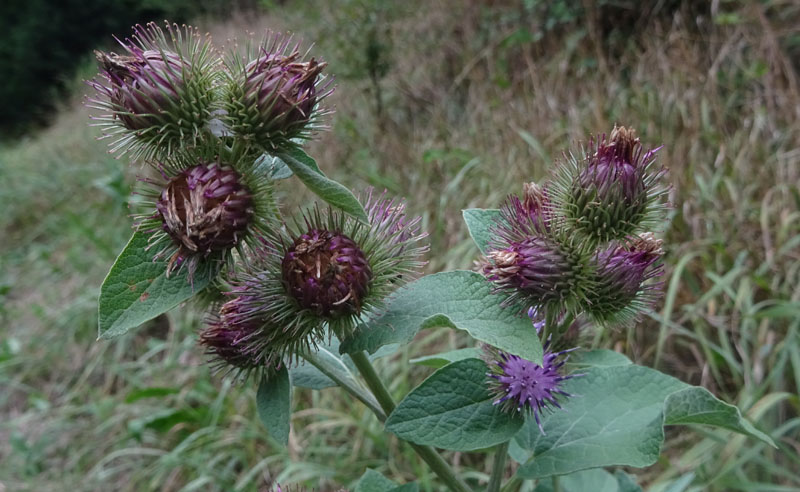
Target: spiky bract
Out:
[327,270]
[201,207]
[613,191]
[272,95]
[531,258]
[622,272]
[159,96]
[519,384]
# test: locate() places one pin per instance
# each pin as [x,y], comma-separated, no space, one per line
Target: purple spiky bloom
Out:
[622,272]
[535,267]
[229,335]
[205,208]
[614,191]
[274,98]
[519,384]
[327,273]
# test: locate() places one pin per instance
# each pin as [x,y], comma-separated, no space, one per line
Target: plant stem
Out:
[427,453]
[556,484]
[498,467]
[349,385]
[512,485]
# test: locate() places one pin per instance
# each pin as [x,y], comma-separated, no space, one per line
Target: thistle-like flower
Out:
[613,192]
[531,259]
[273,96]
[202,209]
[327,271]
[158,97]
[519,384]
[622,273]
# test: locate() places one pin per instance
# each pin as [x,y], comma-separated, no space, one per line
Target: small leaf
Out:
[616,418]
[457,299]
[305,375]
[137,289]
[306,169]
[453,409]
[479,221]
[372,481]
[273,402]
[626,483]
[444,358]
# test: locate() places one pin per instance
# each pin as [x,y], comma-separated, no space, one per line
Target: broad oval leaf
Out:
[479,222]
[617,417]
[373,481]
[457,299]
[444,358]
[453,409]
[273,403]
[306,169]
[137,289]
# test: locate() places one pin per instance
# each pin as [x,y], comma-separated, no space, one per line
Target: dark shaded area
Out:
[43,42]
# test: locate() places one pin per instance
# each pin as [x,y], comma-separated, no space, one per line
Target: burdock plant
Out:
[310,297]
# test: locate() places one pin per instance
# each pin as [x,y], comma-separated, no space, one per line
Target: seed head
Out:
[229,337]
[519,384]
[327,273]
[622,272]
[205,209]
[273,98]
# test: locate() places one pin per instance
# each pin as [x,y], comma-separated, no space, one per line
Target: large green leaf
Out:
[444,358]
[617,417]
[453,409]
[457,299]
[137,289]
[479,222]
[596,480]
[372,481]
[273,403]
[306,169]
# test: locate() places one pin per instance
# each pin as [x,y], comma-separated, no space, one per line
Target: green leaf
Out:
[444,358]
[479,221]
[598,358]
[137,289]
[597,480]
[453,409]
[372,481]
[457,299]
[626,483]
[306,169]
[305,375]
[273,402]
[617,417]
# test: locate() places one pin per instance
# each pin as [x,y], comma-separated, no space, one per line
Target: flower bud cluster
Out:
[580,244]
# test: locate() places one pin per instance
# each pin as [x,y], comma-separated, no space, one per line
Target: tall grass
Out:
[471,100]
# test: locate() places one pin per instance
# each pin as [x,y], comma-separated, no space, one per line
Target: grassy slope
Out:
[470,109]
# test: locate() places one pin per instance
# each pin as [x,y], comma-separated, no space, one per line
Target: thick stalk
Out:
[349,385]
[498,467]
[512,485]
[427,453]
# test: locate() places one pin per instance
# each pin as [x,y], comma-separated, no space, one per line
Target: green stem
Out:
[498,467]
[427,453]
[349,384]
[556,484]
[512,485]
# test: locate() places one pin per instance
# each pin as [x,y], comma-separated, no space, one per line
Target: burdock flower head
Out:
[622,272]
[614,191]
[522,385]
[326,272]
[273,94]
[202,209]
[531,260]
[156,97]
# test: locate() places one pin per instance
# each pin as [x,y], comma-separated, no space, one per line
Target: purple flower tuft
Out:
[327,273]
[519,384]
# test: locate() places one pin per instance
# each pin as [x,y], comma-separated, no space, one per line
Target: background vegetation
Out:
[452,104]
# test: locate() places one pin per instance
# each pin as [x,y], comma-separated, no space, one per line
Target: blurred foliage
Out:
[42,42]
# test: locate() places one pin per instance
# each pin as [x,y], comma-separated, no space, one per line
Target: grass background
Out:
[454,105]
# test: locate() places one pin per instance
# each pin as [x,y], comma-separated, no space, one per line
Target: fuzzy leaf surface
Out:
[306,169]
[453,409]
[444,358]
[373,481]
[617,417]
[596,480]
[479,221]
[273,402]
[457,299]
[137,289]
